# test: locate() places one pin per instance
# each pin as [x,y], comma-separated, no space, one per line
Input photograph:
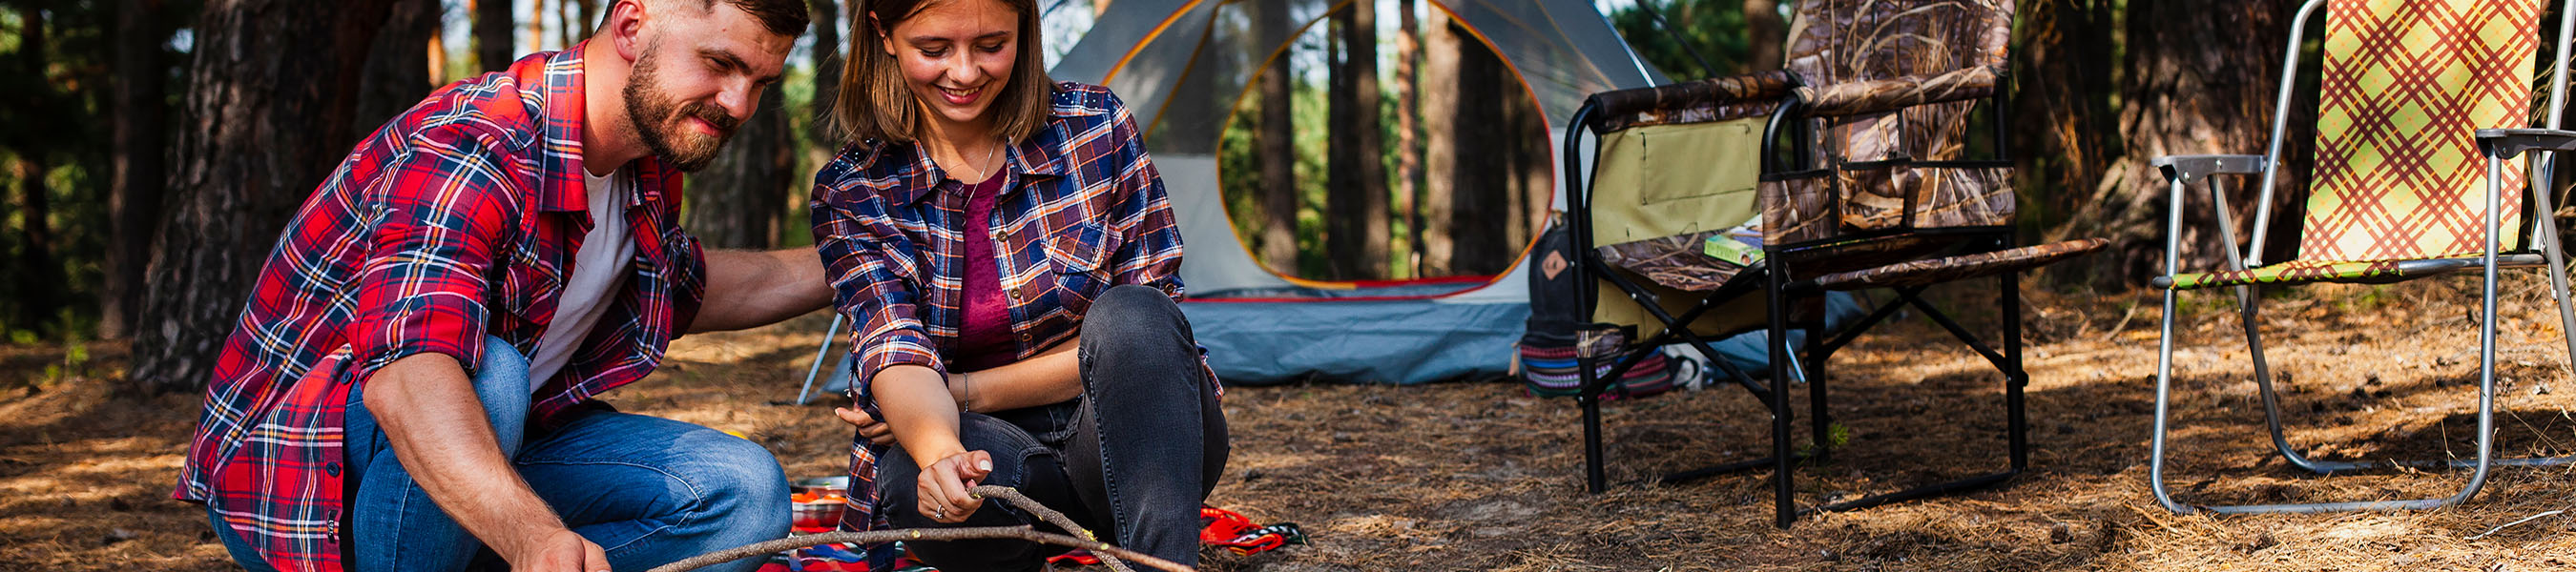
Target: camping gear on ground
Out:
[2397,193]
[1877,188]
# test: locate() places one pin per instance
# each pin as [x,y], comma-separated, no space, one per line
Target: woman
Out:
[1010,256]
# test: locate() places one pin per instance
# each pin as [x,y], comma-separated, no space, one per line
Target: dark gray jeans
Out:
[1132,459]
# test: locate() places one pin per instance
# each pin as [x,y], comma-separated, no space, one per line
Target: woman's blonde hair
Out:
[875,104]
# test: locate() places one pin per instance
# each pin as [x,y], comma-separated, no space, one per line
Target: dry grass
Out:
[1481,477]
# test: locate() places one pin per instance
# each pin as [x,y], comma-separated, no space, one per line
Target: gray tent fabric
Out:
[1182,65]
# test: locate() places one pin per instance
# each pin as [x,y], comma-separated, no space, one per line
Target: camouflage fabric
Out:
[2405,82]
[1717,99]
[1939,270]
[1854,56]
[1878,96]
[2369,272]
[1676,262]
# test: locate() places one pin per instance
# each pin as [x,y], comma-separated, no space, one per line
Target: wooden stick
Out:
[1108,554]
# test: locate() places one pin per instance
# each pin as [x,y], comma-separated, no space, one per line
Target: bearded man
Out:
[410,386]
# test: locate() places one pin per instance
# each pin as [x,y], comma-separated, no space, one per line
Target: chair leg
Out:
[1819,416]
[2015,378]
[1589,396]
[1784,501]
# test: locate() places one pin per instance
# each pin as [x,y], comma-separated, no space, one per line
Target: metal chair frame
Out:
[1777,279]
[2498,145]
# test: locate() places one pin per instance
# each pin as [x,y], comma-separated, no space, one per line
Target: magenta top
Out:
[984,335]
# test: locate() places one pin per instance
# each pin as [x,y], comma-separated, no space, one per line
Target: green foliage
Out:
[1714,28]
[57,116]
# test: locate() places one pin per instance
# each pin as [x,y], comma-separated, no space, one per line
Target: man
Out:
[410,383]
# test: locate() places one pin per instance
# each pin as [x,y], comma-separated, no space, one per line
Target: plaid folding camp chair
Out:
[1879,190]
[2413,94]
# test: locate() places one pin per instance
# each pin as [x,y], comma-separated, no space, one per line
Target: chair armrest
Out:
[1884,95]
[1716,99]
[2506,143]
[2189,168]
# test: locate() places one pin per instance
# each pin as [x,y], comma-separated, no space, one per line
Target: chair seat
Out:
[1951,268]
[2353,272]
[1677,262]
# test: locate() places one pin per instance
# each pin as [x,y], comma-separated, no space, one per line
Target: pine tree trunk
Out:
[536,25]
[1356,233]
[38,276]
[1277,149]
[492,24]
[827,76]
[135,163]
[2199,80]
[1765,33]
[1441,101]
[1481,218]
[738,201]
[1408,139]
[257,133]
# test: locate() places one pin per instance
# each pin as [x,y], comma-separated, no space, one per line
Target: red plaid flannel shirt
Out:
[455,221]
[1083,210]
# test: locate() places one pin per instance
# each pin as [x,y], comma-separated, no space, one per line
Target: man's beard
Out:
[657,119]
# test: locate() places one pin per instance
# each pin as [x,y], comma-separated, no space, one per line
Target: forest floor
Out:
[1480,476]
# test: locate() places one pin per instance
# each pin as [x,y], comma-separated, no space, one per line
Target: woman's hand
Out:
[870,428]
[943,486]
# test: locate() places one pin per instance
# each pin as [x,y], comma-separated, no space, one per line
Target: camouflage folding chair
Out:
[1876,188]
[2414,92]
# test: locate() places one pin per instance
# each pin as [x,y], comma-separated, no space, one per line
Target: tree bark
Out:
[1765,34]
[827,74]
[39,277]
[396,73]
[257,133]
[1355,236]
[1408,139]
[739,200]
[1440,103]
[536,25]
[1277,155]
[492,23]
[135,166]
[2199,79]
[1483,198]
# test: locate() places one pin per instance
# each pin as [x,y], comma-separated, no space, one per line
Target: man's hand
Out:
[559,551]
[869,427]
[943,484]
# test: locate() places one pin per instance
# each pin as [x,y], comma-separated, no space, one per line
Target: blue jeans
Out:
[649,491]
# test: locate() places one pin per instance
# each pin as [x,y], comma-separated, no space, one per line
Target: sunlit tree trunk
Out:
[1440,104]
[1408,140]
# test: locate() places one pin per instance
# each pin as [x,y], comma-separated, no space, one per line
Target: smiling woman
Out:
[1011,256]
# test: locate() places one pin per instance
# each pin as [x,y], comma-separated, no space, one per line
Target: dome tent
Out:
[1180,66]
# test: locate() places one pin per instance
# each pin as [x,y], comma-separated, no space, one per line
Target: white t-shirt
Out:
[606,256]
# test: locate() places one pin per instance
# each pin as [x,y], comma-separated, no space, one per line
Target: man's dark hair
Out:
[782,17]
